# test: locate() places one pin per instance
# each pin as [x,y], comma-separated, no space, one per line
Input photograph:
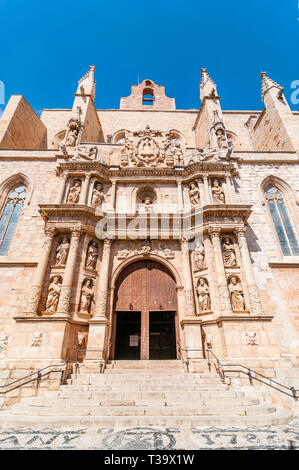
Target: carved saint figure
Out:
[146,205]
[98,196]
[62,252]
[74,193]
[53,294]
[73,132]
[194,194]
[236,294]
[199,256]
[203,293]
[92,255]
[218,193]
[86,296]
[221,138]
[228,251]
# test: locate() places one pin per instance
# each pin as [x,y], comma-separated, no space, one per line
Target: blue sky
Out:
[48,46]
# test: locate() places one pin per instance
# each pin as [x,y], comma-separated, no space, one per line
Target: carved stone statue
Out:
[74,193]
[228,251]
[199,256]
[98,196]
[218,193]
[62,252]
[53,294]
[203,293]
[194,194]
[86,296]
[86,153]
[147,205]
[92,255]
[236,294]
[72,132]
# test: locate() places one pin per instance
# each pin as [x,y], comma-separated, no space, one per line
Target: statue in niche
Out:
[92,255]
[86,296]
[236,294]
[62,252]
[53,294]
[74,193]
[221,138]
[199,256]
[147,205]
[228,251]
[98,196]
[194,194]
[218,193]
[203,293]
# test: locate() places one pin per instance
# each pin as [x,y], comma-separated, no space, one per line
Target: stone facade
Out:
[184,188]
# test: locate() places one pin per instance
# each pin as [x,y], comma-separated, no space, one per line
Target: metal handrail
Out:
[251,373]
[30,377]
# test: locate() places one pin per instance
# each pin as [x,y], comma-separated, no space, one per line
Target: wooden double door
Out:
[145,312]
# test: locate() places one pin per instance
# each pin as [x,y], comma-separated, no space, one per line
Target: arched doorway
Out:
[145,312]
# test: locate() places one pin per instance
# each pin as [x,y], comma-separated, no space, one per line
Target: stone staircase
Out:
[144,393]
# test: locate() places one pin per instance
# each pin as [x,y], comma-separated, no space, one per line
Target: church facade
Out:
[131,233]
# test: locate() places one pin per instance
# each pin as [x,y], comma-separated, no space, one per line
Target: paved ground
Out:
[151,438]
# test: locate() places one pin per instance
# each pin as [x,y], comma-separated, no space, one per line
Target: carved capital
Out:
[107,243]
[76,232]
[49,231]
[215,232]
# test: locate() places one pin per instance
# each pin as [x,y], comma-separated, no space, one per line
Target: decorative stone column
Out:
[207,195]
[84,192]
[66,289]
[188,284]
[230,189]
[225,304]
[191,323]
[254,297]
[36,288]
[113,194]
[61,190]
[180,195]
[98,324]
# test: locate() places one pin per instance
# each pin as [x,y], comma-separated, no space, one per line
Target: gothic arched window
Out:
[283,226]
[10,215]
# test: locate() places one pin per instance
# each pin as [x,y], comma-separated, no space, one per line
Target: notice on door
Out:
[134,340]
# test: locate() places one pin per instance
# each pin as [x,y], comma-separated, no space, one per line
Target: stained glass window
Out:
[284,229]
[10,216]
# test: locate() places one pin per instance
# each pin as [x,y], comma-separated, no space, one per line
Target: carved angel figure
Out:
[62,252]
[218,193]
[203,293]
[53,294]
[74,193]
[199,256]
[194,194]
[86,296]
[228,251]
[92,255]
[98,196]
[236,294]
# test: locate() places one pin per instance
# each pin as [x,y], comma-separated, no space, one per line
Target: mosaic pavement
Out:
[282,437]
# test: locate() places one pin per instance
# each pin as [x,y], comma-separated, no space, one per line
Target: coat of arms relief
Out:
[151,148]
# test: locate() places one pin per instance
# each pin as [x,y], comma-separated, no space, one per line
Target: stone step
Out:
[145,402]
[223,410]
[148,387]
[269,419]
[73,393]
[75,390]
[145,364]
[102,380]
